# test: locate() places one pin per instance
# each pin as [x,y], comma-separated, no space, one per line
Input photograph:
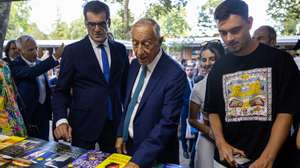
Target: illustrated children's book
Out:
[89,160]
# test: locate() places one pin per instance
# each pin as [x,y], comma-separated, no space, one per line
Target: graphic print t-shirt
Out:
[248,91]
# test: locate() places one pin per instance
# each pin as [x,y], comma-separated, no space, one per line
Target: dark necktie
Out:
[105,63]
[105,70]
[133,101]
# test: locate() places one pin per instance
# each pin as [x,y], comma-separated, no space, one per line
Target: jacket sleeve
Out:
[21,72]
[62,92]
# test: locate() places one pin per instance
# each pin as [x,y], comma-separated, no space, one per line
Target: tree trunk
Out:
[4,16]
[126,17]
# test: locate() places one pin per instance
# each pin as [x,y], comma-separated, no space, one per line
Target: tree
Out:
[19,22]
[4,16]
[170,16]
[206,23]
[120,24]
[174,24]
[60,31]
[287,15]
[77,29]
[118,28]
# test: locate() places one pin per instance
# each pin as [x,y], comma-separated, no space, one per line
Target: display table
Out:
[36,153]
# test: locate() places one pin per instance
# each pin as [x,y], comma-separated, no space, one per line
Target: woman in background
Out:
[210,52]
[11,51]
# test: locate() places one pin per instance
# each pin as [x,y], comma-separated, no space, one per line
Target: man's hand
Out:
[120,145]
[63,131]
[59,51]
[227,153]
[132,165]
[262,162]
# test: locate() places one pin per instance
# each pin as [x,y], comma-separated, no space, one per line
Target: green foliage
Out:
[118,26]
[206,23]
[19,22]
[287,15]
[59,32]
[64,31]
[172,22]
[77,29]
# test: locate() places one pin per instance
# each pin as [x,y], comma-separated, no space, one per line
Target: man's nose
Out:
[99,28]
[229,37]
[139,50]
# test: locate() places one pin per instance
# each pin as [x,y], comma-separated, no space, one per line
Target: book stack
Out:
[36,153]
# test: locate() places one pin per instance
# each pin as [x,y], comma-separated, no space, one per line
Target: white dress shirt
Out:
[150,69]
[41,82]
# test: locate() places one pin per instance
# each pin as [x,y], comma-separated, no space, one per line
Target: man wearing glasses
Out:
[90,85]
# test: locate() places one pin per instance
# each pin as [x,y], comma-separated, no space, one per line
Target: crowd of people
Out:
[236,104]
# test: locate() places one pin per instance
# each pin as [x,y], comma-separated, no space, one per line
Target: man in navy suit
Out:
[92,77]
[154,99]
[31,80]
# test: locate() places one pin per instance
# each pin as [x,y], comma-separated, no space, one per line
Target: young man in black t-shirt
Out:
[251,94]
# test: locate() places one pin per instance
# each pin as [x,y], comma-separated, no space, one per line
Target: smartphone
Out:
[242,162]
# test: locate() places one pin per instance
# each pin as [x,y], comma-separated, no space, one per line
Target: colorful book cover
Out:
[89,160]
[115,160]
[22,148]
[56,155]
[6,141]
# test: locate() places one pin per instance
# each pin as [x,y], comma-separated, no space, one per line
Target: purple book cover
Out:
[89,160]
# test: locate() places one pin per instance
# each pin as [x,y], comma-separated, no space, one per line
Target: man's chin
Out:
[142,62]
[99,39]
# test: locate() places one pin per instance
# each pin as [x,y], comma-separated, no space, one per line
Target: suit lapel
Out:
[91,56]
[153,81]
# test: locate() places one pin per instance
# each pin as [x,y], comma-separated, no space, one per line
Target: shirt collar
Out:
[152,65]
[28,62]
[105,43]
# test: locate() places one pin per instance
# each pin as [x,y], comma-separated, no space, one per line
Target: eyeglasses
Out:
[205,43]
[92,25]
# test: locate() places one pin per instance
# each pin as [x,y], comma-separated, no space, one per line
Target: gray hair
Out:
[22,40]
[148,21]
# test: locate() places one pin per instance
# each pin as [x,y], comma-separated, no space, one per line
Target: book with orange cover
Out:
[115,160]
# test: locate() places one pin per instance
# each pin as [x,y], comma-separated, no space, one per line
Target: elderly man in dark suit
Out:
[154,99]
[90,84]
[32,83]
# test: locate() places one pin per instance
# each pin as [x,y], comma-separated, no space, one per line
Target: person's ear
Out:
[108,22]
[161,39]
[250,22]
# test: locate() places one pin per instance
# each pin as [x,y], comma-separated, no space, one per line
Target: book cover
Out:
[62,154]
[6,141]
[89,160]
[22,148]
[115,160]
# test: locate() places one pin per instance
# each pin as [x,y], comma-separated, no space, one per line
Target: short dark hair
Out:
[96,7]
[7,47]
[214,47]
[231,7]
